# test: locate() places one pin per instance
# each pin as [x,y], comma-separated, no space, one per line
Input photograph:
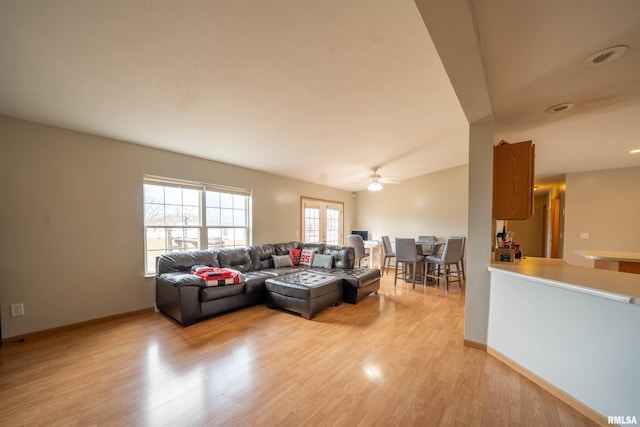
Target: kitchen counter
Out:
[628,262]
[617,286]
[610,255]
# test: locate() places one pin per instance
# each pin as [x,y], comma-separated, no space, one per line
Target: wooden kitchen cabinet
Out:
[513,175]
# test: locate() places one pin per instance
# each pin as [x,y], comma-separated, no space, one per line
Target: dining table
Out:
[424,249]
[428,248]
[375,253]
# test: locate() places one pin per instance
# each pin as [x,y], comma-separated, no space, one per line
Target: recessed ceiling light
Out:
[605,55]
[560,107]
[636,151]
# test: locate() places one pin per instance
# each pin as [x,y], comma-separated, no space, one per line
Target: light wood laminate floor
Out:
[394,359]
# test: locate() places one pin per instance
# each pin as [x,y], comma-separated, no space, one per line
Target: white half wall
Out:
[585,345]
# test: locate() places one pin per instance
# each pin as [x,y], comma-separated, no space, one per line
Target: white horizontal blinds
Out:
[170,182]
[230,190]
[176,183]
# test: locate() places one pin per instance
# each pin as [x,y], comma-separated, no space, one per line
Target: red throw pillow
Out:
[295,256]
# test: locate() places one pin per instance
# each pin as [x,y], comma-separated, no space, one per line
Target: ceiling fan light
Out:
[374,186]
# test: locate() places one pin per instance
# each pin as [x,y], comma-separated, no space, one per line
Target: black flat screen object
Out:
[362,233]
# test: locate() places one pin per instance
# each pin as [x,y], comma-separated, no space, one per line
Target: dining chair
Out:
[450,256]
[356,241]
[407,255]
[461,262]
[388,253]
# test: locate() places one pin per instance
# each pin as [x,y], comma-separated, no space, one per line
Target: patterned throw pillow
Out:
[306,257]
[295,255]
[281,261]
[324,261]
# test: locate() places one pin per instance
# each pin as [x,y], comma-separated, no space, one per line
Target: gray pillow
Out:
[324,261]
[281,261]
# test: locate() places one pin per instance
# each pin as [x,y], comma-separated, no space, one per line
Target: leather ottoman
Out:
[305,292]
[358,282]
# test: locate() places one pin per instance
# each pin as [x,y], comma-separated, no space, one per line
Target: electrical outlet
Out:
[17,310]
[584,236]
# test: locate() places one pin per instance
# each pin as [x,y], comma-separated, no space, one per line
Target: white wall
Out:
[432,204]
[71,220]
[605,204]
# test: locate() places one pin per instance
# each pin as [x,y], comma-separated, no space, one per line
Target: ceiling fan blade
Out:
[375,177]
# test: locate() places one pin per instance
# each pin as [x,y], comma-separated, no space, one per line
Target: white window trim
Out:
[203,187]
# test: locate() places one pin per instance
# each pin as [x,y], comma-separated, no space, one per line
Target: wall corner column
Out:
[479,234]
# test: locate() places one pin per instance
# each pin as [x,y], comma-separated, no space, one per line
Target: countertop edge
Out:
[609,255]
[570,286]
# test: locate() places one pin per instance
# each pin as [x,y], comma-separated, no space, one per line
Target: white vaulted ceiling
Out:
[315,90]
[323,90]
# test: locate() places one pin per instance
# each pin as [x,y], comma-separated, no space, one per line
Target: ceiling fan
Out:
[376,181]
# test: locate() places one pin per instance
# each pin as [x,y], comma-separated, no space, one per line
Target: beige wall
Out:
[71,233]
[432,204]
[71,220]
[605,204]
[528,233]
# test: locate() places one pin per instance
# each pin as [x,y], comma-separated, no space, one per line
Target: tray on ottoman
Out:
[305,292]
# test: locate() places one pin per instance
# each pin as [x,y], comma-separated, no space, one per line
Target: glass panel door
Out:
[311,225]
[333,219]
[322,221]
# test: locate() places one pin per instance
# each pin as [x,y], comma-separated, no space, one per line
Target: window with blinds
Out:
[187,216]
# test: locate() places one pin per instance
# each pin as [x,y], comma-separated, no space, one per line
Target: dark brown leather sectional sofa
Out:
[186,298]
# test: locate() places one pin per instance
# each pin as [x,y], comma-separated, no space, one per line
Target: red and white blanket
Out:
[215,276]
